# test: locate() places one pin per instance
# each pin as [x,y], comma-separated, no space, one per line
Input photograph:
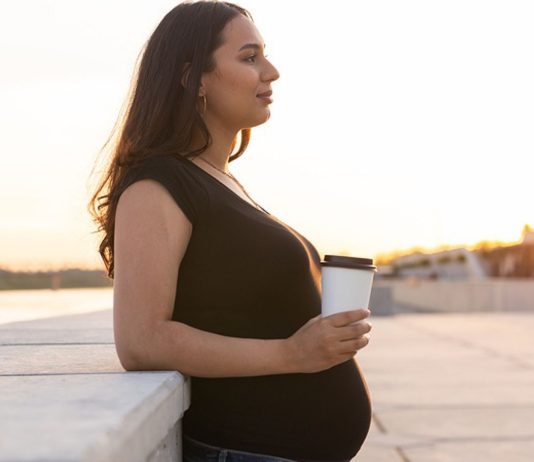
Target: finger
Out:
[353,331]
[355,344]
[346,317]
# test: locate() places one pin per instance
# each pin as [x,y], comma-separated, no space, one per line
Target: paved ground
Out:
[444,387]
[450,388]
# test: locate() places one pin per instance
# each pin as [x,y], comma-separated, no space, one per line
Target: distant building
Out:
[515,261]
[528,237]
[463,264]
[453,264]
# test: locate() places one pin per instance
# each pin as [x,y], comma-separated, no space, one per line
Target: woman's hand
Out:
[322,343]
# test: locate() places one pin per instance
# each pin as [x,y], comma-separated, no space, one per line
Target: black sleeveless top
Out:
[247,274]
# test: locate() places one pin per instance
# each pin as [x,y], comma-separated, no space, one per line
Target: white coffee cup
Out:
[346,283]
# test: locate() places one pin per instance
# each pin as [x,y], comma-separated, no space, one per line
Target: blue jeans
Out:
[196,451]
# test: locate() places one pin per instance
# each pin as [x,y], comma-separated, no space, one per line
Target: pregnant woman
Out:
[206,281]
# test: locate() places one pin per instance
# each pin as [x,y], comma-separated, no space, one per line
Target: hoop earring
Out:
[204,103]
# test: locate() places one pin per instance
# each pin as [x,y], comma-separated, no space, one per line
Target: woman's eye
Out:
[253,57]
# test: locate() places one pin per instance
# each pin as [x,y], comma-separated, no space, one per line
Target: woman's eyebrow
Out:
[255,46]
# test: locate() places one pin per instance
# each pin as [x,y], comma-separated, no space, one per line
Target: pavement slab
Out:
[81,343]
[89,328]
[450,387]
[62,359]
[473,451]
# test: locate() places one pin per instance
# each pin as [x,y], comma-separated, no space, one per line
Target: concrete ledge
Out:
[492,294]
[65,397]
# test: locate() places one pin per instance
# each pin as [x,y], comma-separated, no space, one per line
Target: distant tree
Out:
[62,279]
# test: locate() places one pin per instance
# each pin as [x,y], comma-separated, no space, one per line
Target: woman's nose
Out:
[271,73]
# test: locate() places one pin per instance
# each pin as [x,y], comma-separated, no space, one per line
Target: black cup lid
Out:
[348,262]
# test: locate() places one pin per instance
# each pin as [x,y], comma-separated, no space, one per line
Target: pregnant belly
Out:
[325,415]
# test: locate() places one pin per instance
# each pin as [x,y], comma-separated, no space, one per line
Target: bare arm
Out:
[151,237]
[178,346]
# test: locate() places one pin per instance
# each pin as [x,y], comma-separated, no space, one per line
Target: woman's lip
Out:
[267,99]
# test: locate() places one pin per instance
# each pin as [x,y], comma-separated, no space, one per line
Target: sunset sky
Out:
[394,124]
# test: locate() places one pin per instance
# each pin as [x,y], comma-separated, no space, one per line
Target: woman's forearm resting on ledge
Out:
[177,346]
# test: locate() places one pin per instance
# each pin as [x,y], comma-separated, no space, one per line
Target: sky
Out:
[395,124]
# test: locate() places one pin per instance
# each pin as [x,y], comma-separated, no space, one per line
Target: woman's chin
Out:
[261,119]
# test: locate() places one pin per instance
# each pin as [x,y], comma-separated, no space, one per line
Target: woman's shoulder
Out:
[178,177]
[172,166]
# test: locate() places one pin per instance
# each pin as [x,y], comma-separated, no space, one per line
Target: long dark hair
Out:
[161,114]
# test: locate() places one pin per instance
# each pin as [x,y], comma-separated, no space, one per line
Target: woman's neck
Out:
[220,149]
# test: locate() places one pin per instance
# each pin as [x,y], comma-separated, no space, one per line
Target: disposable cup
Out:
[346,283]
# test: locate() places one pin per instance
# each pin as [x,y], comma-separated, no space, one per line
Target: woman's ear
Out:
[202,85]
[185,79]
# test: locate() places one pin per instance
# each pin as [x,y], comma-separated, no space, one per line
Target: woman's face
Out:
[241,73]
